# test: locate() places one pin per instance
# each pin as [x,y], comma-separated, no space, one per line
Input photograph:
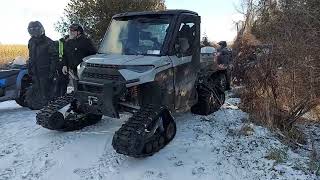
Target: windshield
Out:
[135,36]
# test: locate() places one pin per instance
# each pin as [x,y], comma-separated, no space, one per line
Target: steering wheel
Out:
[132,50]
[156,44]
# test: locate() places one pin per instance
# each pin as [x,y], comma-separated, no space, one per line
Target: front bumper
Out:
[99,98]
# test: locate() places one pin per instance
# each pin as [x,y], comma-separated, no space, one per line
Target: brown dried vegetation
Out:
[277,60]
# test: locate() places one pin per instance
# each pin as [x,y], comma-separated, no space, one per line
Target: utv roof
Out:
[144,13]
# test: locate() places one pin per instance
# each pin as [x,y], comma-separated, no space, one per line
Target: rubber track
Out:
[44,115]
[72,121]
[204,93]
[131,139]
[216,93]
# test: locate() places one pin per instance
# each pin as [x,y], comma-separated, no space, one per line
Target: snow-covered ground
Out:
[219,146]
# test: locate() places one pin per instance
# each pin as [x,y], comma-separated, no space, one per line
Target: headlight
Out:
[83,64]
[138,69]
[80,68]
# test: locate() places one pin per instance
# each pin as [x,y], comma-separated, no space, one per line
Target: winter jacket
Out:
[43,56]
[224,56]
[76,49]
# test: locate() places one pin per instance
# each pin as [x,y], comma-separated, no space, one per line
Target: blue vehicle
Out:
[14,82]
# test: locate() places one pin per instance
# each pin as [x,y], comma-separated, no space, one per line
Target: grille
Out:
[90,88]
[101,76]
[102,66]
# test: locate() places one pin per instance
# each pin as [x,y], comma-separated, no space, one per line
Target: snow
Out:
[204,148]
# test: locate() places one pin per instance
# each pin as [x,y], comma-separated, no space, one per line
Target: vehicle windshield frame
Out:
[169,18]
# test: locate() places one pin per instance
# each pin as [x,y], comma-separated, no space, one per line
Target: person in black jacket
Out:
[76,48]
[224,62]
[42,65]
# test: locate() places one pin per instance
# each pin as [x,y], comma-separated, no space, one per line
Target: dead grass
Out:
[276,58]
[300,166]
[278,155]
[314,166]
[246,130]
[314,163]
[298,135]
[9,52]
[316,113]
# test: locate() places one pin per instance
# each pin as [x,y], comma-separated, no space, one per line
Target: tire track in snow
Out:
[107,164]
[26,165]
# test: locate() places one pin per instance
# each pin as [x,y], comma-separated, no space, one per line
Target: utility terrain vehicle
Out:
[148,64]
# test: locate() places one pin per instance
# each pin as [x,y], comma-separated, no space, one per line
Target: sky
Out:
[217,17]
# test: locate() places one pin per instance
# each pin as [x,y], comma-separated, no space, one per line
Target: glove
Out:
[222,67]
[65,70]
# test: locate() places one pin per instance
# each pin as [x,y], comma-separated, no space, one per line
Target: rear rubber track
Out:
[134,138]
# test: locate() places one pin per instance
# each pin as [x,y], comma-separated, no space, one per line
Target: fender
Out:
[22,73]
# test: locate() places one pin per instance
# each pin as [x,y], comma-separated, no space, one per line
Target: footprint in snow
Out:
[9,149]
[198,171]
[152,175]
[179,163]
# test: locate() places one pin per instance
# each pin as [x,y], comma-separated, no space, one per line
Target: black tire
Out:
[219,78]
[21,101]
[25,84]
[219,98]
[223,82]
[170,130]
[2,91]
[208,101]
[169,126]
[202,107]
[33,100]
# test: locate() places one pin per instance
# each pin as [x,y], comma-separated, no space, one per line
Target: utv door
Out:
[186,60]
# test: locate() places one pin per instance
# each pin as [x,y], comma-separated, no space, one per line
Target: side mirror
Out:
[182,47]
[177,48]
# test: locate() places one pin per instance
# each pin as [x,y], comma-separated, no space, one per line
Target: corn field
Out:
[9,52]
